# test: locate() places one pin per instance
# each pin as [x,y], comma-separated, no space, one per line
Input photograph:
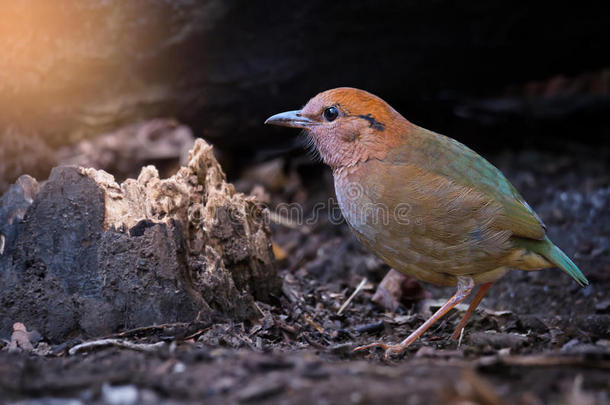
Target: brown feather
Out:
[448,229]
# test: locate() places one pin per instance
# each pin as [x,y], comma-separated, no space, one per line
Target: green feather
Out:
[442,155]
[553,254]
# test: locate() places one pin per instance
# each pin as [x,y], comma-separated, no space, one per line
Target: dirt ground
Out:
[537,338]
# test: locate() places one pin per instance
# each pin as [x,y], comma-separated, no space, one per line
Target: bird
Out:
[424,203]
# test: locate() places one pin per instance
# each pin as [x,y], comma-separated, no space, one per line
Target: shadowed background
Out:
[117,84]
[492,74]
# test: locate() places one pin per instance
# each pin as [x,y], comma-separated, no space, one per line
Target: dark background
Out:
[491,74]
[118,84]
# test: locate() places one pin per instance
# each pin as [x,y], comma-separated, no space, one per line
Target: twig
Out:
[461,336]
[149,328]
[313,323]
[288,223]
[142,347]
[259,309]
[198,333]
[313,343]
[351,297]
[290,294]
[285,327]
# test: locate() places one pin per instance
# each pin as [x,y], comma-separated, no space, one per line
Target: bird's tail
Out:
[553,254]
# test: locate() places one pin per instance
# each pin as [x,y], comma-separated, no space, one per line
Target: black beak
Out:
[292,119]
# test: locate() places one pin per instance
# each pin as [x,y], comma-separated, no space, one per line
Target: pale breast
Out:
[421,224]
[358,208]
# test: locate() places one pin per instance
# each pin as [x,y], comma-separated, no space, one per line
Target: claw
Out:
[465,286]
[370,346]
[394,349]
[389,349]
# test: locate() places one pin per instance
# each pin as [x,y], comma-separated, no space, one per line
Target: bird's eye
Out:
[331,113]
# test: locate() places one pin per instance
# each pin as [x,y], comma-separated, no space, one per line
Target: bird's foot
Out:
[389,349]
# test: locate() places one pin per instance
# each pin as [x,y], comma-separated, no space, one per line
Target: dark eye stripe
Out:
[376,125]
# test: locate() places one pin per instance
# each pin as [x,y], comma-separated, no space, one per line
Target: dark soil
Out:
[537,338]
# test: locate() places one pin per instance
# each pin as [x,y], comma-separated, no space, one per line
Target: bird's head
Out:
[347,125]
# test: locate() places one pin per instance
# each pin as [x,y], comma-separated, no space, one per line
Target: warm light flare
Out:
[62,65]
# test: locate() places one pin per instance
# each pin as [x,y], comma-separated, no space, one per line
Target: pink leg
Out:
[464,288]
[473,305]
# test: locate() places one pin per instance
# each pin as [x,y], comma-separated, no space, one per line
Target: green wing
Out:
[445,156]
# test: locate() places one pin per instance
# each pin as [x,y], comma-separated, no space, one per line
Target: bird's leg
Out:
[464,288]
[473,305]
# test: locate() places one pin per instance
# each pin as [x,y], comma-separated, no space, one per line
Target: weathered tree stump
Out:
[83,254]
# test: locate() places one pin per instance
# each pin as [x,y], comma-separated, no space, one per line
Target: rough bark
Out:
[86,255]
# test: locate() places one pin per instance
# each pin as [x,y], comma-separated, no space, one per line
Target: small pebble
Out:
[370,327]
[497,340]
[120,394]
[603,307]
